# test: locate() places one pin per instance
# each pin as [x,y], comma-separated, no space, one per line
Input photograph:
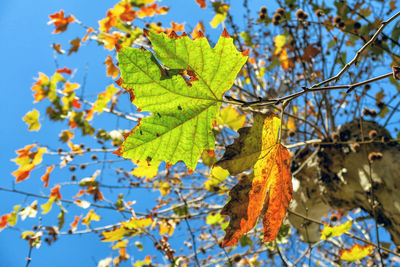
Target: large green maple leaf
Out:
[183,97]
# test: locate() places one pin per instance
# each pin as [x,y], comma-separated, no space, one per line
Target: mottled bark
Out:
[339,175]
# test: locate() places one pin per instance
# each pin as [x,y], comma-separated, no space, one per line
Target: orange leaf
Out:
[112,70]
[88,32]
[268,191]
[39,87]
[60,21]
[151,10]
[128,14]
[74,224]
[202,3]
[65,70]
[108,22]
[286,62]
[198,30]
[23,172]
[4,221]
[45,178]
[55,192]
[76,43]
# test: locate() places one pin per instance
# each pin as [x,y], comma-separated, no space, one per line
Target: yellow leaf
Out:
[230,117]
[38,156]
[146,169]
[12,220]
[280,41]
[218,18]
[135,223]
[47,206]
[356,252]
[70,87]
[90,216]
[32,119]
[66,135]
[336,230]
[164,187]
[166,227]
[117,234]
[27,233]
[120,244]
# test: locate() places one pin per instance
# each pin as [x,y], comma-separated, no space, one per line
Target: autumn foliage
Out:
[212,119]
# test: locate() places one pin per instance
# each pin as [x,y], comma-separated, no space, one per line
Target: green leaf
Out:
[183,111]
[61,219]
[336,230]
[245,241]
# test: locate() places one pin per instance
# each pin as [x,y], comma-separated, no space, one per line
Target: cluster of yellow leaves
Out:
[27,160]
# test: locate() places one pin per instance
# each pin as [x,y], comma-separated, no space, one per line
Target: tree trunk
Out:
[338,175]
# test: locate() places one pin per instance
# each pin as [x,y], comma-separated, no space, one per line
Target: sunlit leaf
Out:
[146,169]
[268,191]
[45,178]
[32,119]
[183,110]
[47,206]
[60,21]
[112,70]
[231,118]
[328,231]
[30,211]
[280,41]
[90,216]
[356,252]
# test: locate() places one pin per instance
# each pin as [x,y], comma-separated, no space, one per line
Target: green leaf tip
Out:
[181,85]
